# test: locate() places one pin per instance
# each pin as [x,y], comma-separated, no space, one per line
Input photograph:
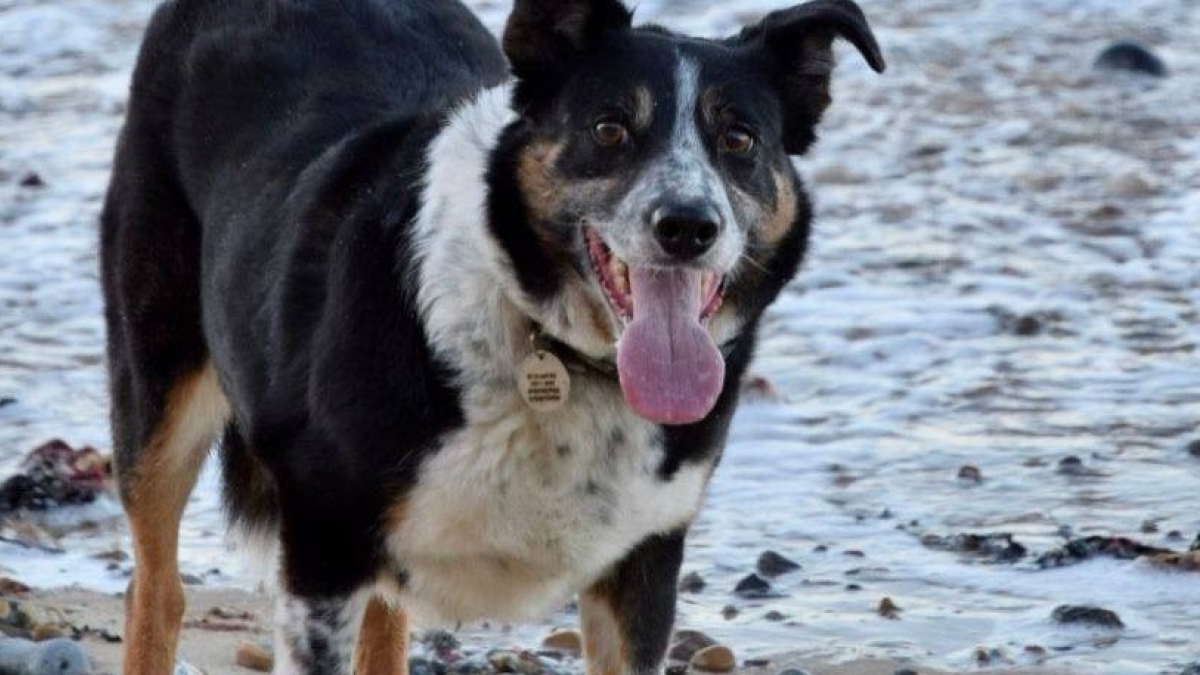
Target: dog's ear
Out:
[798,43]
[544,36]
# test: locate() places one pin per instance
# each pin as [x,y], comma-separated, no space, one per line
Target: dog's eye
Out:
[610,134]
[737,141]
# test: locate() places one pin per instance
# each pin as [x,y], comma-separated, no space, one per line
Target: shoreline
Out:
[211,645]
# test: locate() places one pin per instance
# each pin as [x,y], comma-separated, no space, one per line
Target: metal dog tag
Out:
[543,381]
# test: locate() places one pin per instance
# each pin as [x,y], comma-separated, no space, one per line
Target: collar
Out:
[579,362]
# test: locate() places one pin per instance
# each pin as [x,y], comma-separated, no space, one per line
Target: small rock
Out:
[45,632]
[191,580]
[1027,325]
[1193,449]
[729,612]
[906,671]
[714,659]
[254,657]
[774,616]
[677,669]
[1079,550]
[888,609]
[421,666]
[6,401]
[692,582]
[12,587]
[756,663]
[440,641]
[1133,58]
[687,643]
[1095,616]
[1149,527]
[1193,669]
[772,564]
[568,641]
[970,474]
[1070,466]
[1195,544]
[753,586]
[795,671]
[32,180]
[996,548]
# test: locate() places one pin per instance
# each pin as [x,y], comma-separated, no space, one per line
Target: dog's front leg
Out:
[317,636]
[629,614]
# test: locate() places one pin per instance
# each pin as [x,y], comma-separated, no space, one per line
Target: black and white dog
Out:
[469,328]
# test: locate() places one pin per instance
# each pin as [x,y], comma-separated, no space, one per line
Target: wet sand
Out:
[213,650]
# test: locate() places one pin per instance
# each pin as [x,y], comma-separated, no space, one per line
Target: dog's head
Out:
[646,197]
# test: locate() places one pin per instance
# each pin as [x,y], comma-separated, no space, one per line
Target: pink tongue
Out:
[670,369]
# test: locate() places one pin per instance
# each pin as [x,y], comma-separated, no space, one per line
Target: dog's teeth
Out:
[620,275]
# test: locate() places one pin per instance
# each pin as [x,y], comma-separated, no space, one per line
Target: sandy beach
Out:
[213,650]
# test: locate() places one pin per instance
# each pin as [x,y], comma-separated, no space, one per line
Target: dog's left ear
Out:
[799,46]
[544,36]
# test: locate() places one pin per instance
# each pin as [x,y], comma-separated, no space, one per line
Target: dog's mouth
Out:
[670,368]
[613,274]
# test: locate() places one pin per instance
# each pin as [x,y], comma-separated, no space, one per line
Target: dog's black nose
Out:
[686,232]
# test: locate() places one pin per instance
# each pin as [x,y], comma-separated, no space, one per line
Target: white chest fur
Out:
[517,509]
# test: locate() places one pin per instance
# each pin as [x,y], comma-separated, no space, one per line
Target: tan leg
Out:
[156,493]
[603,647]
[382,641]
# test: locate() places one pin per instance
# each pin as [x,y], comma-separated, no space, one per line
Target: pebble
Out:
[687,643]
[569,641]
[772,564]
[1131,57]
[1027,326]
[906,671]
[1095,616]
[729,612]
[45,632]
[970,474]
[756,663]
[753,586]
[32,180]
[692,582]
[1193,449]
[55,657]
[998,548]
[677,669]
[714,659]
[795,671]
[888,609]
[1193,669]
[1070,466]
[254,657]
[7,401]
[12,587]
[774,616]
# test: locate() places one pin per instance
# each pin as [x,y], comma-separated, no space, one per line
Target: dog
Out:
[466,318]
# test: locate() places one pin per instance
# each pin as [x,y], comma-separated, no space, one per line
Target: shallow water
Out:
[990,175]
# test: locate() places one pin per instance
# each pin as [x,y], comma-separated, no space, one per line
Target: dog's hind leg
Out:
[155,490]
[167,406]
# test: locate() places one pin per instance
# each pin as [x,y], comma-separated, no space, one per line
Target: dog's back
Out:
[235,105]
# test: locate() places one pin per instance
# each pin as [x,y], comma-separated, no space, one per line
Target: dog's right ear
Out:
[544,36]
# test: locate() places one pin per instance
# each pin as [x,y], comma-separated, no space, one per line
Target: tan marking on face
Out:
[603,646]
[382,640]
[155,494]
[780,221]
[544,192]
